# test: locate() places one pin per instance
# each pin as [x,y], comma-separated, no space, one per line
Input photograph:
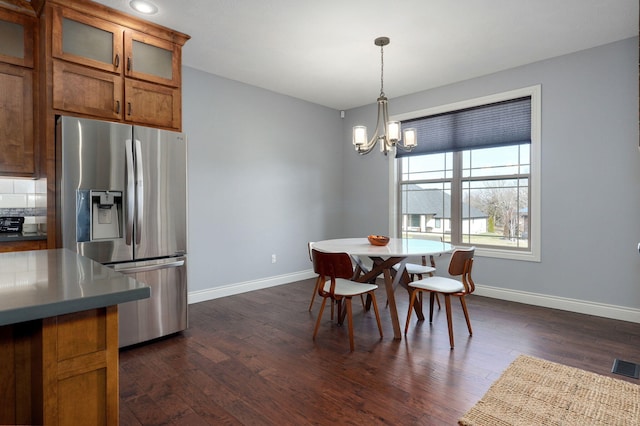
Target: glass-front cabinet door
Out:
[16,38]
[87,40]
[152,59]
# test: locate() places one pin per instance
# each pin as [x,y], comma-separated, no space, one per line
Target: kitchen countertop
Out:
[6,237]
[44,283]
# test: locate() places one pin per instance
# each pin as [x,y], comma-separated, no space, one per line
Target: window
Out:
[474,178]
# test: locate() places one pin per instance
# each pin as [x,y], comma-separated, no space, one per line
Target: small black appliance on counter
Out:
[11,224]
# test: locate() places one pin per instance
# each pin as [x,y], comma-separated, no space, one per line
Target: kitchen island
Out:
[59,338]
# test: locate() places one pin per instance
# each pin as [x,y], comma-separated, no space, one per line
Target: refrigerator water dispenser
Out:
[99,215]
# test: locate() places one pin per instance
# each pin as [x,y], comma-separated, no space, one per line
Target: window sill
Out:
[527,256]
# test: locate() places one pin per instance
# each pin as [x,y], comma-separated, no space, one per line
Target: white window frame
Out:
[531,255]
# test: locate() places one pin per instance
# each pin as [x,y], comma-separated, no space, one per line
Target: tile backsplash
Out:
[24,197]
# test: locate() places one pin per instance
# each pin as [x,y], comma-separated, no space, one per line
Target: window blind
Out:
[497,124]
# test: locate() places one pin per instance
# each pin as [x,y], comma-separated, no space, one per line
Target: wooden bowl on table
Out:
[378,240]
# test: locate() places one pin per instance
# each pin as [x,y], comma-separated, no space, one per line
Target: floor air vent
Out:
[626,368]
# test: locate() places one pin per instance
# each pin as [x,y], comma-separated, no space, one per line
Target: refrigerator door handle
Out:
[130,191]
[139,192]
[135,269]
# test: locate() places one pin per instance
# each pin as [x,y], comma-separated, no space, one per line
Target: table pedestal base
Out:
[384,267]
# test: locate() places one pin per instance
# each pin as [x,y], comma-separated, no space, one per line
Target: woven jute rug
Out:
[533,391]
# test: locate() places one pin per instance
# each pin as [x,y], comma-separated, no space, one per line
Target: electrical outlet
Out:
[273,258]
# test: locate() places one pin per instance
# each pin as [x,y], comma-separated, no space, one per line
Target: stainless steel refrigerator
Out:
[123,203]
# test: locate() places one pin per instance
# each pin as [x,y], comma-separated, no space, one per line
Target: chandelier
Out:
[387,132]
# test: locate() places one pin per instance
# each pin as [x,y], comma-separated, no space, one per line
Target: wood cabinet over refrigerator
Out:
[114,67]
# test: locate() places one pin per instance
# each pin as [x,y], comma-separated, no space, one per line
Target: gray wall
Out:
[590,189]
[265,177]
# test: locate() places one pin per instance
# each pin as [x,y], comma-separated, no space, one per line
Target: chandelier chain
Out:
[381,70]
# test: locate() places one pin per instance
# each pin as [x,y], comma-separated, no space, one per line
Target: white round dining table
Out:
[397,251]
[403,247]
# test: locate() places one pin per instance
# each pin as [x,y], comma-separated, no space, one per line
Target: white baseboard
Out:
[243,287]
[536,299]
[563,303]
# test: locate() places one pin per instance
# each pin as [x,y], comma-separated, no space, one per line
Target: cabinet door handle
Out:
[129,108]
[128,63]
[117,107]
[116,62]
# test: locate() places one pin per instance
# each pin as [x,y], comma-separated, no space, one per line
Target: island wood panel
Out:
[18,356]
[80,368]
[61,370]
[8,377]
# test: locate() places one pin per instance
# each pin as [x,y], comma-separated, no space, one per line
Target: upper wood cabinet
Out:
[101,44]
[18,150]
[112,66]
[87,91]
[17,145]
[152,104]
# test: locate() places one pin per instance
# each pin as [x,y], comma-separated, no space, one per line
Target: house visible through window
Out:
[470,180]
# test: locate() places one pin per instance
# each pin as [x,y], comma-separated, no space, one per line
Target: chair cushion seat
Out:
[415,268]
[349,288]
[439,284]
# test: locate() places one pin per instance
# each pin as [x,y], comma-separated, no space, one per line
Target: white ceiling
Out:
[322,51]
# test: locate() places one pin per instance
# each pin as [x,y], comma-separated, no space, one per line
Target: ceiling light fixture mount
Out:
[391,130]
[143,6]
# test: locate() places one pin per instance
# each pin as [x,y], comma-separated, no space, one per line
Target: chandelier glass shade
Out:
[388,133]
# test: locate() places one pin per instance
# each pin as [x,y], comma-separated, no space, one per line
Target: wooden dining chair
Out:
[319,282]
[420,269]
[459,266]
[318,279]
[336,272]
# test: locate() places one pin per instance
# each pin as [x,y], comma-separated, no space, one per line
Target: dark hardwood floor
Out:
[249,360]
